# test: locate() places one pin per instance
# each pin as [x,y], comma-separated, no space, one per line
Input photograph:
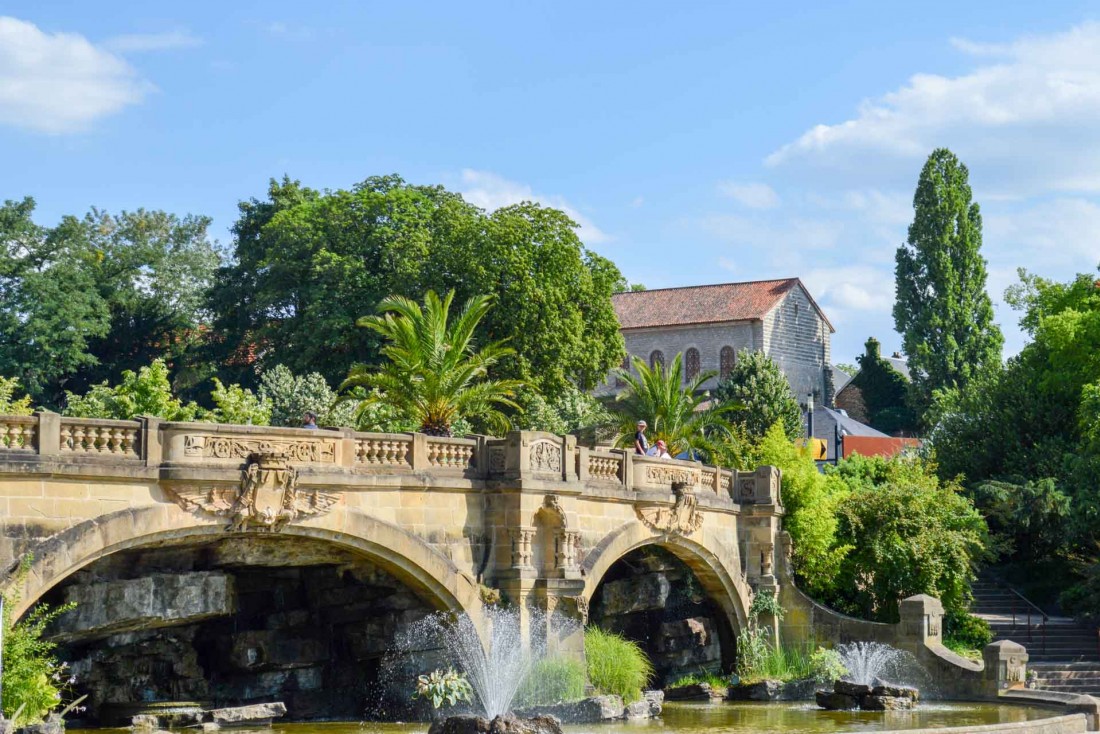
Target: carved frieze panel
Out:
[267,498]
[670,475]
[545,457]
[305,450]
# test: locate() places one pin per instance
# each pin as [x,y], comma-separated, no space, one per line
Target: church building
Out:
[711,324]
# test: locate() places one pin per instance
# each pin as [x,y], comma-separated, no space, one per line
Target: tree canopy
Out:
[884,391]
[308,264]
[942,309]
[759,396]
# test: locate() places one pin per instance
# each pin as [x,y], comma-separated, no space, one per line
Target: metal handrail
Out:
[1030,605]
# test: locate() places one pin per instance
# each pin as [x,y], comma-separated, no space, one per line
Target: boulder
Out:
[53,724]
[638,710]
[144,722]
[765,690]
[468,724]
[656,701]
[833,701]
[885,703]
[849,688]
[258,714]
[798,690]
[6,726]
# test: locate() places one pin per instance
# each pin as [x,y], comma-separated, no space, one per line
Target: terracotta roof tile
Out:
[700,304]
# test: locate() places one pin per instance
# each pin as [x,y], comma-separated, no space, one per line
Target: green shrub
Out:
[616,665]
[34,679]
[964,630]
[711,679]
[443,687]
[827,665]
[553,680]
[782,663]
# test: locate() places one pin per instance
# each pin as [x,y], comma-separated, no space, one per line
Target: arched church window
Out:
[691,364]
[656,357]
[726,360]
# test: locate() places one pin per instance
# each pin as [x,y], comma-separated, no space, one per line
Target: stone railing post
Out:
[921,620]
[418,452]
[569,458]
[628,469]
[481,456]
[1005,665]
[152,450]
[348,448]
[581,461]
[49,433]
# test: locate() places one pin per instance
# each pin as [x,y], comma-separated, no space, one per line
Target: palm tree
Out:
[433,374]
[669,407]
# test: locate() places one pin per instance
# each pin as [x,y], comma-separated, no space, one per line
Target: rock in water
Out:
[834,701]
[259,714]
[885,703]
[656,700]
[6,726]
[896,691]
[468,724]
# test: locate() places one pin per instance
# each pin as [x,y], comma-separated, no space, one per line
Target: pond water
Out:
[739,718]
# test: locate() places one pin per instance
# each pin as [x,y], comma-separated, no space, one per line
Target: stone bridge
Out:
[532,516]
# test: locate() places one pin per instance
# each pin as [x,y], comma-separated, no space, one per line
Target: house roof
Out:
[840,379]
[704,304]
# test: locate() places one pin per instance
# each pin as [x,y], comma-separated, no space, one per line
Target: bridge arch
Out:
[645,600]
[407,557]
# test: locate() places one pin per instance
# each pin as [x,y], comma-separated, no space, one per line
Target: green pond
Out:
[742,718]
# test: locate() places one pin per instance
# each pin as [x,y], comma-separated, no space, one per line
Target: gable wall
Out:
[795,336]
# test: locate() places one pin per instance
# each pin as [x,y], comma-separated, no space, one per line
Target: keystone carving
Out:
[683,518]
[266,500]
[545,457]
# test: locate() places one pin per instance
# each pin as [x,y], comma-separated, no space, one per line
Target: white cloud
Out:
[60,82]
[137,42]
[491,191]
[777,239]
[751,195]
[854,287]
[1026,116]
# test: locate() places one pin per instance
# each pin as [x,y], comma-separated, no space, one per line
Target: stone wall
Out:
[798,338]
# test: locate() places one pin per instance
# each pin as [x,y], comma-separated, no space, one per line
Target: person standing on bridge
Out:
[641,444]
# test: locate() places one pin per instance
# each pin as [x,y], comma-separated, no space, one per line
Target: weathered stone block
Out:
[157,600]
[693,692]
[259,714]
[467,724]
[144,722]
[765,690]
[656,701]
[896,691]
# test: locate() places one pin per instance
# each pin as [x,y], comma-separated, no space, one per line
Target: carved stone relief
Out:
[545,457]
[684,517]
[267,498]
[229,447]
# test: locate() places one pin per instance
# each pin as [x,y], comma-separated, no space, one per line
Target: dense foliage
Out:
[1023,439]
[84,300]
[290,396]
[616,665]
[884,391]
[308,264]
[759,395]
[942,310]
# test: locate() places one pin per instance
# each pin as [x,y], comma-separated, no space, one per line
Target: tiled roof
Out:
[700,304]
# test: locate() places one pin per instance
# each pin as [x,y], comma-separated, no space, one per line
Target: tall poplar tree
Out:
[942,309]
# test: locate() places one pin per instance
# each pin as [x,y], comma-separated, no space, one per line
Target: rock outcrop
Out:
[470,724]
[847,696]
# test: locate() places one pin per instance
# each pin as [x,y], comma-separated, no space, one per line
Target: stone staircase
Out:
[1064,655]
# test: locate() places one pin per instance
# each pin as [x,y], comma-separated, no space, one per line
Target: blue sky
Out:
[695,143]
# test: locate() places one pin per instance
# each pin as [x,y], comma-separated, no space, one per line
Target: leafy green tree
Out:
[290,396]
[9,405]
[884,391]
[84,300]
[238,405]
[942,310]
[50,307]
[1029,518]
[669,406]
[433,373]
[307,264]
[908,533]
[145,392]
[759,396]
[568,411]
[812,501]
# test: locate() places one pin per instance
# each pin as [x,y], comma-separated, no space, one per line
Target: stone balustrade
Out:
[47,436]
